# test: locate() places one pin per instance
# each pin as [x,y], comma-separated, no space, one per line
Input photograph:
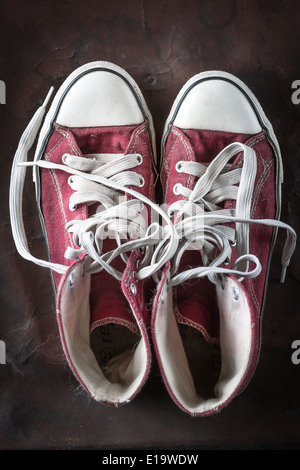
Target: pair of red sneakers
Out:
[205,251]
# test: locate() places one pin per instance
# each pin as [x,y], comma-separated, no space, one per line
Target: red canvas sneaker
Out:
[93,170]
[221,175]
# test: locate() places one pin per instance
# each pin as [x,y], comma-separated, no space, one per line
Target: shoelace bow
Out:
[201,221]
[98,178]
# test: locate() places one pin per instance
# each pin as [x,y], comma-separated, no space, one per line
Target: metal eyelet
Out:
[178,167]
[235,294]
[72,279]
[139,159]
[133,288]
[142,182]
[176,189]
[72,209]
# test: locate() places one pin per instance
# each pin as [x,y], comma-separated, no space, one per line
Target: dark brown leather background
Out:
[161,44]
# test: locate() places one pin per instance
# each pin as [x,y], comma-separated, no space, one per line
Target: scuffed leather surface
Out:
[161,44]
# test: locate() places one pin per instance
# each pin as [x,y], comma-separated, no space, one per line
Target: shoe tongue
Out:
[103,139]
[208,144]
[196,306]
[108,304]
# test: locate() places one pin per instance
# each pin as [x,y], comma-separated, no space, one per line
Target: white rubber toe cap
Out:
[99,98]
[217,105]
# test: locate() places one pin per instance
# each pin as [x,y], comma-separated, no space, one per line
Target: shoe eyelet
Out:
[72,278]
[72,208]
[70,180]
[176,189]
[133,288]
[64,158]
[235,294]
[139,159]
[141,250]
[142,182]
[178,167]
[171,214]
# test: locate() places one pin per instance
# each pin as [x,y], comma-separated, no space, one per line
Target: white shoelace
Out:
[98,178]
[199,219]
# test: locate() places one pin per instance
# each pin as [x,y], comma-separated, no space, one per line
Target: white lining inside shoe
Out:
[235,342]
[127,370]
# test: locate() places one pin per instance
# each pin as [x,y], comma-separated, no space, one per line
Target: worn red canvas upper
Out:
[207,335]
[95,147]
[203,146]
[107,300]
